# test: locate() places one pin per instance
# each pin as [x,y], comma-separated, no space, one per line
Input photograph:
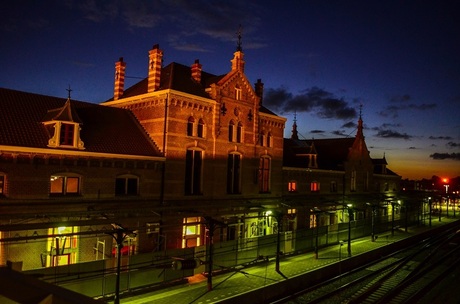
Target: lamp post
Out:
[316,211]
[350,218]
[373,210]
[119,234]
[429,209]
[279,219]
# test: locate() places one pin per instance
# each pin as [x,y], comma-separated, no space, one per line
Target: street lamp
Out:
[351,217]
[119,234]
[316,211]
[393,204]
[373,220]
[429,205]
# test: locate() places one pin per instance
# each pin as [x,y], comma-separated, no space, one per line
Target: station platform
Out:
[229,287]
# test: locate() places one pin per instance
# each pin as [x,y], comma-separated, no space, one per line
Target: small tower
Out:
[237,61]
[155,63]
[295,134]
[120,67]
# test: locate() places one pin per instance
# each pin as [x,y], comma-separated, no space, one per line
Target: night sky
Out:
[320,61]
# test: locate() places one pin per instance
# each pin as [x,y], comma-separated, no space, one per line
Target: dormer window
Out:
[63,126]
[66,134]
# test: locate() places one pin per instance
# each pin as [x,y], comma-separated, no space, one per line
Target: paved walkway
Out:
[230,284]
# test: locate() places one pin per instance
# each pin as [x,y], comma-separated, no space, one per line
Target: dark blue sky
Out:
[318,59]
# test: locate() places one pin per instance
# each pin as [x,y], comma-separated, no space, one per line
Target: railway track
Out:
[404,276]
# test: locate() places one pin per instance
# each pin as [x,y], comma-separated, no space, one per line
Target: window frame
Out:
[193,182]
[234,173]
[128,188]
[67,181]
[292,186]
[264,174]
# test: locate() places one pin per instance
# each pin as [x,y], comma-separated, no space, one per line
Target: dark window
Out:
[66,134]
[231,130]
[269,140]
[190,123]
[234,174]
[200,131]
[264,174]
[193,174]
[333,186]
[126,186]
[239,132]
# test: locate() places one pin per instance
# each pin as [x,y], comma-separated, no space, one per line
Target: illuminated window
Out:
[190,126]
[64,184]
[62,247]
[193,172]
[291,211]
[314,186]
[191,231]
[292,186]
[264,174]
[234,173]
[126,185]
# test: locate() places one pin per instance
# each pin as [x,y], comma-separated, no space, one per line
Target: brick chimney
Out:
[155,63]
[196,70]
[259,88]
[120,67]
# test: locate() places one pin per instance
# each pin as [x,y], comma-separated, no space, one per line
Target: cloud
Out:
[400,98]
[317,131]
[349,124]
[412,148]
[401,103]
[314,100]
[392,134]
[442,156]
[451,144]
[440,137]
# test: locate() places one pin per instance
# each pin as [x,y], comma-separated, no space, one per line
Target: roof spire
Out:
[239,47]
[68,91]
[295,134]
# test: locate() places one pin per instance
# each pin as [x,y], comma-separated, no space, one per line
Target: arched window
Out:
[239,133]
[262,138]
[190,124]
[126,184]
[231,130]
[200,131]
[65,184]
[269,139]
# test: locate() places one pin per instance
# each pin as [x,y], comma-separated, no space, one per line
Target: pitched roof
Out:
[175,76]
[331,153]
[103,129]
